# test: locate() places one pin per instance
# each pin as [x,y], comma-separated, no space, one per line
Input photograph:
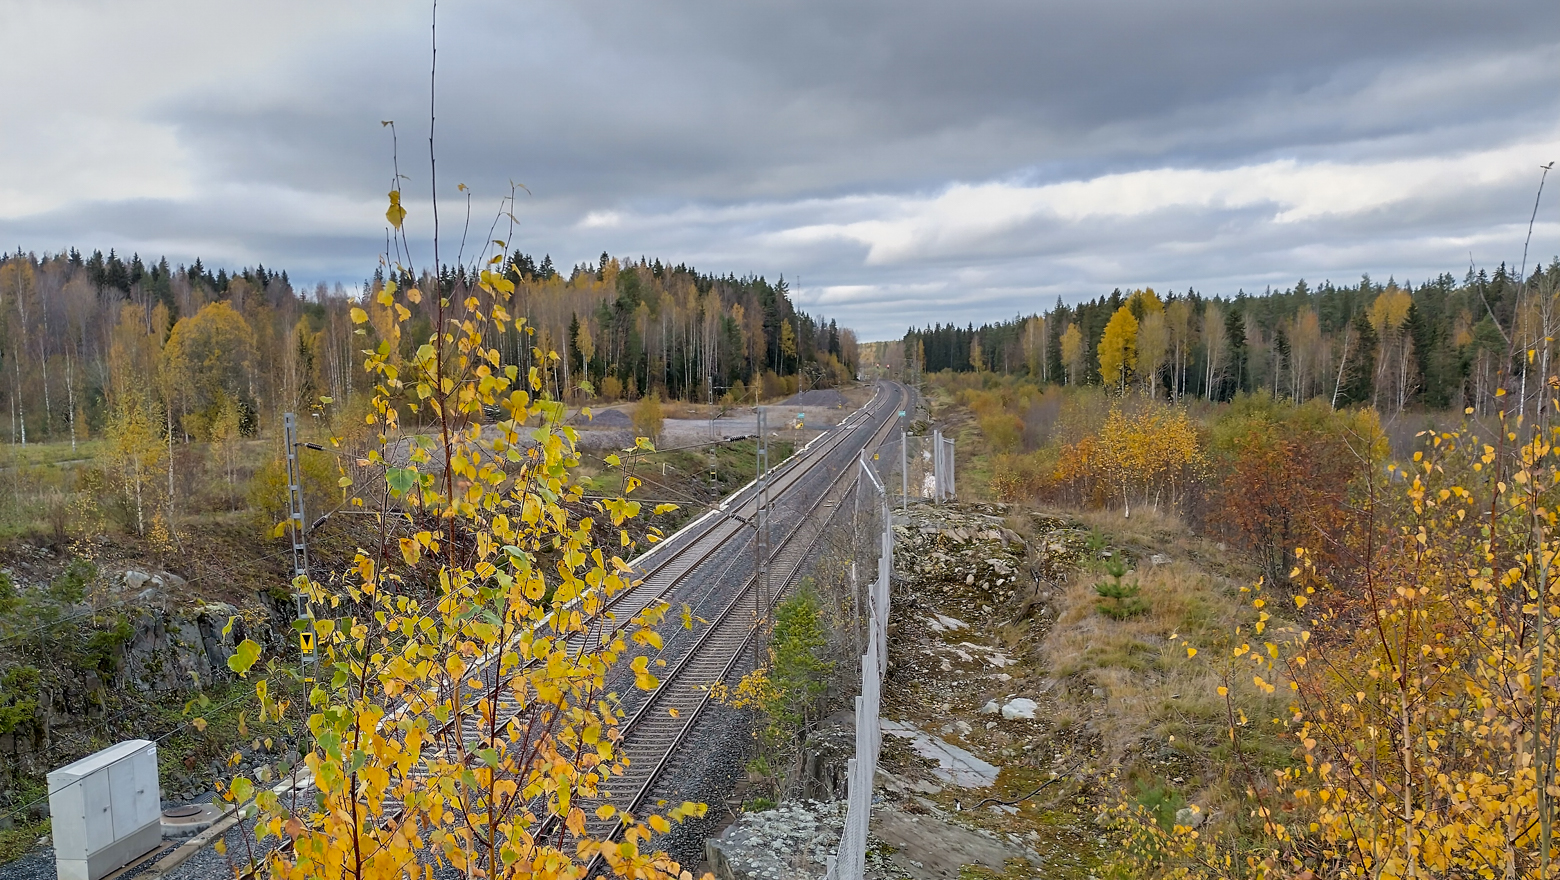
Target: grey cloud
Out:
[735,101]
[711,126]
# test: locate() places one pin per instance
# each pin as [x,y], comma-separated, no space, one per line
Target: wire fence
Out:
[917,467]
[872,505]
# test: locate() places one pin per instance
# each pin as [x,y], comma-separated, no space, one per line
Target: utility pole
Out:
[761,524]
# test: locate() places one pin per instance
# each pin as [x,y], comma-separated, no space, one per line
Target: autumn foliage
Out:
[1420,668]
[1285,475]
[1150,456]
[474,727]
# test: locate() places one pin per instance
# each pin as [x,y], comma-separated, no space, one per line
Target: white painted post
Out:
[952,489]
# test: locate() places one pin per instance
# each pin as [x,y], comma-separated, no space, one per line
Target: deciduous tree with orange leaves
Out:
[1286,473]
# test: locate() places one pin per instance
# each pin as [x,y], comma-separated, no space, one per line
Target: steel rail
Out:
[726,518]
[667,732]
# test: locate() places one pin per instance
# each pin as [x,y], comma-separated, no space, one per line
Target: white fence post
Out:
[937,466]
[851,861]
[949,489]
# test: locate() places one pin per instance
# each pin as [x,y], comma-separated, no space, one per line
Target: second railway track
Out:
[653,735]
[716,540]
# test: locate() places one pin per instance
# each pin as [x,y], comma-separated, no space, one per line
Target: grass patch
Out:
[1152,688]
[15,842]
[52,453]
[695,479]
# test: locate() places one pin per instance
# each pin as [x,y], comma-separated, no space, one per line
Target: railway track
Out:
[652,734]
[721,535]
[685,552]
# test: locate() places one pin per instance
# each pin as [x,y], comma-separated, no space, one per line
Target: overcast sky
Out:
[900,162]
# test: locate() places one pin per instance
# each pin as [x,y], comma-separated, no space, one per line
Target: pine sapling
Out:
[1117,599]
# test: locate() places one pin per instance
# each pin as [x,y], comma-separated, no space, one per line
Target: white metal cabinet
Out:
[83,819]
[133,788]
[106,810]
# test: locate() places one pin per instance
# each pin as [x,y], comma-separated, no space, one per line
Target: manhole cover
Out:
[181,812]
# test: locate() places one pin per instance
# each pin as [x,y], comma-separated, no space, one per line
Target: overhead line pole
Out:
[904,467]
[308,655]
[761,522]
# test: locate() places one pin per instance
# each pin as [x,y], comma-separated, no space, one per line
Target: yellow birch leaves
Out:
[468,660]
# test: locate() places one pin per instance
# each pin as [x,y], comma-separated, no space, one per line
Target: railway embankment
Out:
[1016,707]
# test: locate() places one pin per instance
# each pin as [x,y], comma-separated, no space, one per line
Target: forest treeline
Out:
[91,342]
[1439,345]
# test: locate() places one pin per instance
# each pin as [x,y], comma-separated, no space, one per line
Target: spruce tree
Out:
[1117,599]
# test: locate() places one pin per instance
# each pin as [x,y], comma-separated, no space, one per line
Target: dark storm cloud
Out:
[908,160]
[734,101]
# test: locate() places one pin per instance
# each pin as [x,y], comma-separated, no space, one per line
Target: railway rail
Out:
[653,735]
[678,566]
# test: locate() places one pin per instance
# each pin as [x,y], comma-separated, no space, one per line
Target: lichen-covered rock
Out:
[793,840]
[964,549]
[165,653]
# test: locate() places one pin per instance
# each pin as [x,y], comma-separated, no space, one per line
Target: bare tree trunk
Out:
[168,409]
[43,360]
[70,397]
[22,410]
[140,517]
[1338,385]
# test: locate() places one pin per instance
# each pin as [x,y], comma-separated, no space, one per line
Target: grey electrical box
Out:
[106,810]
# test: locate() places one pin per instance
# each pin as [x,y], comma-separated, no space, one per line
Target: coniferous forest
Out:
[1436,345]
[202,353]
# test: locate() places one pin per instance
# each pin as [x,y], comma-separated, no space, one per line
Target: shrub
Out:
[648,418]
[71,586]
[787,689]
[101,653]
[1003,430]
[774,386]
[1287,474]
[267,490]
[18,699]
[1017,477]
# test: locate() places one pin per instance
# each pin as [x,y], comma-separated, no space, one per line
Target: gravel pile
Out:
[967,554]
[603,418]
[794,840]
[608,439]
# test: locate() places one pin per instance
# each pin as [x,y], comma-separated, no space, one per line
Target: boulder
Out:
[1019,708]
